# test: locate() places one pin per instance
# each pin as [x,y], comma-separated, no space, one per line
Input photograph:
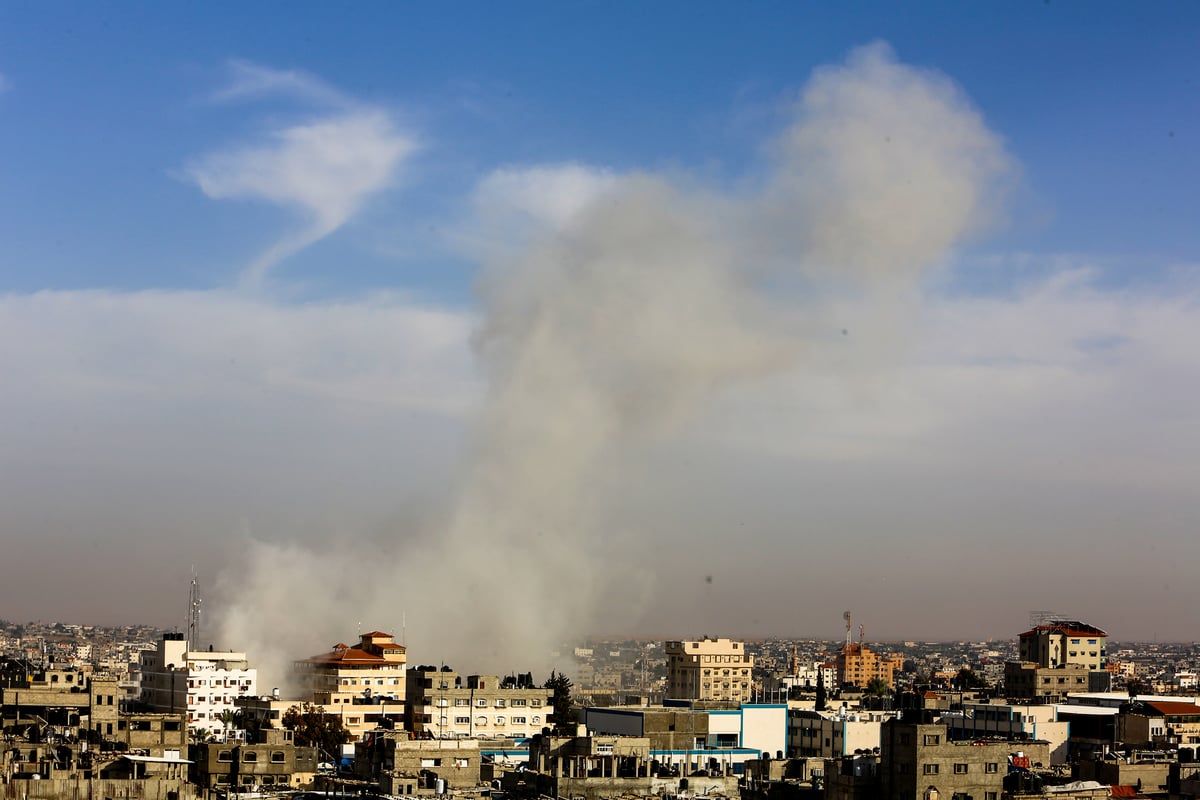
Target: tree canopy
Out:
[564,721]
[314,728]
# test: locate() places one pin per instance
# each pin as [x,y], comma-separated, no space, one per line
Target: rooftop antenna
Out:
[193,620]
[862,635]
[849,627]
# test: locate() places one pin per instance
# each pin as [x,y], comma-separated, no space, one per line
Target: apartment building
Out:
[1059,642]
[374,666]
[709,669]
[918,760]
[858,665]
[442,704]
[362,685]
[203,683]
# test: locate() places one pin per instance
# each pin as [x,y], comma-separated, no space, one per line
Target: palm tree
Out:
[227,718]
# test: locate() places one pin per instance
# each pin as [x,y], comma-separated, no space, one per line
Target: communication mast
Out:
[193,621]
[849,627]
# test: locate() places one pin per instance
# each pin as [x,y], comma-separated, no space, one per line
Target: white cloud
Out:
[324,168]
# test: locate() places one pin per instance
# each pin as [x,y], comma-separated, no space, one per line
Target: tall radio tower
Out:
[193,620]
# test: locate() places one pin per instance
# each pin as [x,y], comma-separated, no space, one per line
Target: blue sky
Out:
[107,102]
[280,275]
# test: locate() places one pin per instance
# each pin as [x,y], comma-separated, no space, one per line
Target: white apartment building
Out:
[709,669]
[205,683]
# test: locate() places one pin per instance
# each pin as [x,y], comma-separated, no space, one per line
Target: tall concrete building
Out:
[203,683]
[709,669]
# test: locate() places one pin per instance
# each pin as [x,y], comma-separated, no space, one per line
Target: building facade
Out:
[918,761]
[203,683]
[442,704]
[858,665]
[709,669]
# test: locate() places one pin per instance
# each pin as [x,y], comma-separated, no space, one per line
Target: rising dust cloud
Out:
[613,324]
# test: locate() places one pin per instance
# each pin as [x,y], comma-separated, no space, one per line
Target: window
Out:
[462,701]
[224,755]
[932,739]
[929,769]
[536,720]
[518,720]
[462,720]
[249,756]
[481,703]
[499,702]
[499,720]
[278,757]
[535,703]
[989,796]
[991,768]
[481,721]
[519,703]
[960,769]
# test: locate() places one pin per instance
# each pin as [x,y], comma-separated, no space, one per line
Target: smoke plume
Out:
[621,312]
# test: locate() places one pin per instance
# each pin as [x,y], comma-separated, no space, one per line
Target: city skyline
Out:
[556,317]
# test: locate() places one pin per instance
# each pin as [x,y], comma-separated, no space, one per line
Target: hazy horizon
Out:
[560,320]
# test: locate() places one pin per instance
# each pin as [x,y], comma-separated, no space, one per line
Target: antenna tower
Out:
[193,621]
[849,627]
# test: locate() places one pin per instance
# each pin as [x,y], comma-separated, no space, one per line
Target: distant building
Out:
[1059,642]
[442,704]
[709,669]
[857,666]
[202,683]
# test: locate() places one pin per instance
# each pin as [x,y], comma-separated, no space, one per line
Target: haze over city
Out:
[495,324]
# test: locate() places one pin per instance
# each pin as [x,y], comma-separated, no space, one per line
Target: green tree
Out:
[560,701]
[314,728]
[821,696]
[1136,686]
[877,687]
[227,718]
[967,679]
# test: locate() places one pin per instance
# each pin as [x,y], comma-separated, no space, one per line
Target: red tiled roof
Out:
[1171,708]
[376,635]
[347,655]
[1070,627]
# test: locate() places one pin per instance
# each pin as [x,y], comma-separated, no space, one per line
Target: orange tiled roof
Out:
[348,655]
[1171,708]
[376,635]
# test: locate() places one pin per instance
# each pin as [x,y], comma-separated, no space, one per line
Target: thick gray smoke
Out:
[626,308]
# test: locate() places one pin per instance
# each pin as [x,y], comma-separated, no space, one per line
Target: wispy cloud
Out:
[323,168]
[248,81]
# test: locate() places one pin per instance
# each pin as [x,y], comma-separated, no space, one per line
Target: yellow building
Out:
[858,665]
[709,669]
[367,678]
